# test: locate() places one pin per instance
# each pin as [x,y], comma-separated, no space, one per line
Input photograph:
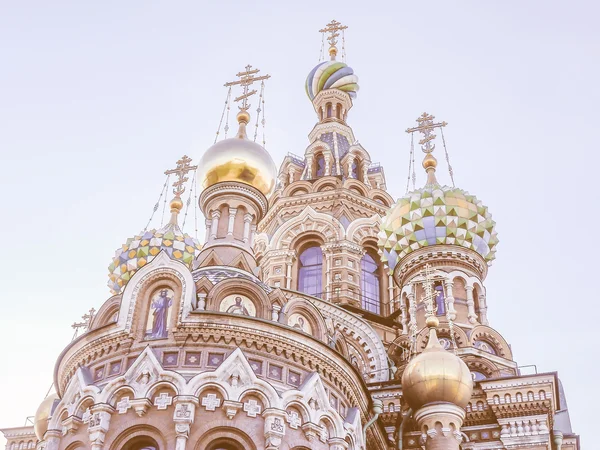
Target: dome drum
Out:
[218,194]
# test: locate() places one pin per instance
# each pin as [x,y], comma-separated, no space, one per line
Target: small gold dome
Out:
[43,415]
[238,159]
[429,161]
[436,375]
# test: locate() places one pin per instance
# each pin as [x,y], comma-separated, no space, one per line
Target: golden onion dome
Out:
[43,415]
[436,375]
[238,159]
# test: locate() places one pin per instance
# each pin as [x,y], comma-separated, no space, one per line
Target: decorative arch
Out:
[381,196]
[241,287]
[211,433]
[297,186]
[161,267]
[325,183]
[443,331]
[484,332]
[354,184]
[363,229]
[308,221]
[107,314]
[315,318]
[137,432]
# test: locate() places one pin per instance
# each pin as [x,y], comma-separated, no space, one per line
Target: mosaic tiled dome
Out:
[141,249]
[331,75]
[436,215]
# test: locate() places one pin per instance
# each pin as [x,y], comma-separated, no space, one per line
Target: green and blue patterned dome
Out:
[143,248]
[331,75]
[436,215]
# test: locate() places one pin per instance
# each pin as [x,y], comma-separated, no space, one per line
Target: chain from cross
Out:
[426,127]
[332,28]
[87,320]
[182,169]
[246,80]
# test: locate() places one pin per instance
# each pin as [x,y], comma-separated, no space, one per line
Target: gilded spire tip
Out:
[181,170]
[425,126]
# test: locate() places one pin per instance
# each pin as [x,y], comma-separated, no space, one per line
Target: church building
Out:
[318,312]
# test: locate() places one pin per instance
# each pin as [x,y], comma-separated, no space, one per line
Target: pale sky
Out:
[97,99]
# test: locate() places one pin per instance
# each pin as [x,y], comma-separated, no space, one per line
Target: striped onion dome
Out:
[436,215]
[331,75]
[143,248]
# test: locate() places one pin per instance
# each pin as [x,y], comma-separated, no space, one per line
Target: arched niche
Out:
[298,307]
[219,432]
[107,314]
[138,435]
[244,288]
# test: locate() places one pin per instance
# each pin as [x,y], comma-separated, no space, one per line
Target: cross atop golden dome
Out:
[181,170]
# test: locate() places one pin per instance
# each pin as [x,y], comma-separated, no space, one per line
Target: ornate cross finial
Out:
[246,80]
[85,324]
[333,29]
[182,169]
[426,127]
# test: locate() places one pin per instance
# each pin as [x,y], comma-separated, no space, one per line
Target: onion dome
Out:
[437,215]
[436,375]
[143,248]
[43,415]
[331,75]
[238,159]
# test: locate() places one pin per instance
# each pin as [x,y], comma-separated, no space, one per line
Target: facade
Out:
[318,313]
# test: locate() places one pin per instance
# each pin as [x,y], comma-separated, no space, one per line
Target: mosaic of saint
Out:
[300,322]
[238,304]
[159,314]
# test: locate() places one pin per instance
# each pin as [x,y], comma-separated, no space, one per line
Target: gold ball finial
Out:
[243,117]
[333,52]
[429,162]
[176,205]
[432,322]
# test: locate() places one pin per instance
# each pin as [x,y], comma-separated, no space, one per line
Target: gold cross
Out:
[426,127]
[246,80]
[183,167]
[332,28]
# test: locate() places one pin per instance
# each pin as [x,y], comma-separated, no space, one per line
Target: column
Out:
[365,169]
[185,406]
[391,293]
[231,223]
[98,424]
[483,310]
[350,162]
[275,313]
[403,317]
[215,223]
[247,222]
[449,284]
[327,165]
[448,437]
[309,167]
[207,223]
[289,263]
[412,312]
[471,305]
[290,176]
[327,287]
[274,428]
[252,234]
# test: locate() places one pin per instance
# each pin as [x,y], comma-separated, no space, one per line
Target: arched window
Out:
[310,271]
[141,443]
[224,444]
[329,110]
[320,165]
[369,284]
[440,302]
[338,111]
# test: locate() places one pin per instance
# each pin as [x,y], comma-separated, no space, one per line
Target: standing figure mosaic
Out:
[158,317]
